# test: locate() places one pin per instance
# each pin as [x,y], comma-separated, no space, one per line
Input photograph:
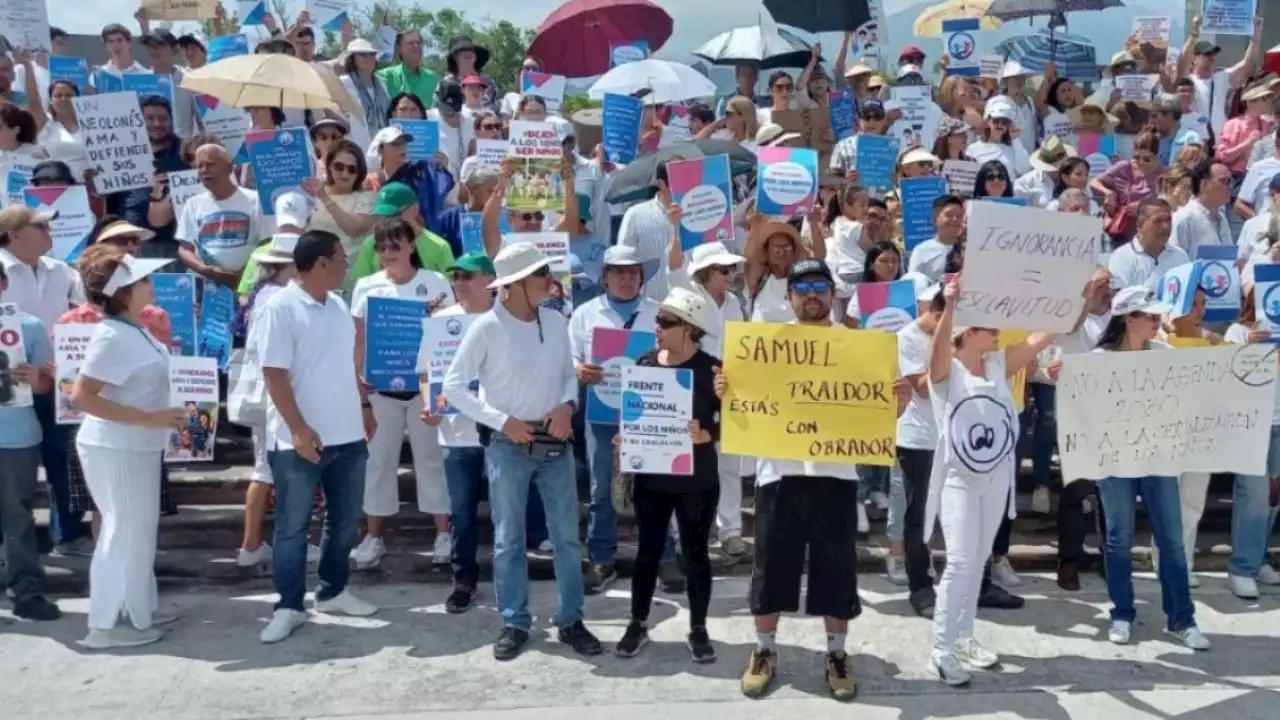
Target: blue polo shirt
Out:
[19,427]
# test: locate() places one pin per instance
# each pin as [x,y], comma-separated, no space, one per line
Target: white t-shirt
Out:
[929,258]
[426,285]
[1238,334]
[223,232]
[1211,98]
[771,304]
[1014,156]
[456,430]
[63,145]
[134,370]
[845,255]
[917,429]
[454,141]
[43,81]
[977,420]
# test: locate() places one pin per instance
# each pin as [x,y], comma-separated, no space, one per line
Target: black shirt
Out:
[706,410]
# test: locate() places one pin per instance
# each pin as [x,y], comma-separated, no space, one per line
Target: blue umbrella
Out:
[1074,55]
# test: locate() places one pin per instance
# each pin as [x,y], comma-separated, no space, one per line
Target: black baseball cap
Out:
[1204,47]
[808,266]
[190,39]
[871,109]
[160,35]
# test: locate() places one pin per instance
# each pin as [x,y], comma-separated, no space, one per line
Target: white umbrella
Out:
[668,82]
[765,43]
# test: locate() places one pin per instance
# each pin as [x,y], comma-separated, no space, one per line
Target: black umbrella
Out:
[637,180]
[1055,10]
[818,16]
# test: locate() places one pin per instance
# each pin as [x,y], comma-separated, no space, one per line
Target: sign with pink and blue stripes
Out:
[887,306]
[703,190]
[787,181]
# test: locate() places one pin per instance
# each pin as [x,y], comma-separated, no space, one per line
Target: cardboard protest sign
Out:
[115,135]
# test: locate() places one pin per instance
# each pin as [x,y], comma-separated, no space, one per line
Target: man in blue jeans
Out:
[318,421]
[519,352]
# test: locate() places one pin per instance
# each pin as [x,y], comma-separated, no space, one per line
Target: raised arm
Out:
[1239,72]
[940,348]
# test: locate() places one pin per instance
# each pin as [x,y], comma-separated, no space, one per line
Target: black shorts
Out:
[814,513]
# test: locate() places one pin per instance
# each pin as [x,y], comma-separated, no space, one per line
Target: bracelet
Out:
[366,405]
[157,199]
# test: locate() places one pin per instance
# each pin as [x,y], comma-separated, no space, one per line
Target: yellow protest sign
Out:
[810,393]
[1188,342]
[1017,383]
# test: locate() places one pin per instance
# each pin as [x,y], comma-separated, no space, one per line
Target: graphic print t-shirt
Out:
[977,419]
[224,232]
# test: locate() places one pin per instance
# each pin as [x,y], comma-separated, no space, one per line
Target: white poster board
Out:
[1166,412]
[115,134]
[70,343]
[12,354]
[1026,268]
[26,25]
[657,405]
[919,122]
[183,185]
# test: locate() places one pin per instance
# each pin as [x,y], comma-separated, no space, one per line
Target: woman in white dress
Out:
[62,137]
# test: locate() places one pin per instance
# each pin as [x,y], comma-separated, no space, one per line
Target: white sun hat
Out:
[712,254]
[773,133]
[1013,68]
[920,155]
[281,250]
[132,270]
[516,262]
[691,307]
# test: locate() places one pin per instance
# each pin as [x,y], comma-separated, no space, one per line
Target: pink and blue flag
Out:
[887,306]
[703,189]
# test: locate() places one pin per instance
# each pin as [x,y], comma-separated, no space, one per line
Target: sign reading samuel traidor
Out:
[810,393]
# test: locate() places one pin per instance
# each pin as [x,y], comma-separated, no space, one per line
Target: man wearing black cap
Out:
[1199,61]
[193,51]
[162,53]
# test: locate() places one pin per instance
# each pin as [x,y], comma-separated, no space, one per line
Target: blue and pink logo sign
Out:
[1177,288]
[787,182]
[702,188]
[887,306]
[1266,277]
[613,349]
[1220,281]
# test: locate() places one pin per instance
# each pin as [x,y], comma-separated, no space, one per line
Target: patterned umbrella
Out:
[929,22]
[1074,56]
[576,39]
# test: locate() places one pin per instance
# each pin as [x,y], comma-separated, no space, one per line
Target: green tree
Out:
[573,102]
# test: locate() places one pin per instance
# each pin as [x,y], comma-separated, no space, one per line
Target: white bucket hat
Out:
[516,262]
[920,155]
[131,270]
[360,46]
[1012,69]
[712,255]
[281,250]
[622,256]
[691,307]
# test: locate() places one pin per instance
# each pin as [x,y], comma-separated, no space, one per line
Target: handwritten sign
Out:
[74,220]
[180,9]
[70,342]
[176,295]
[657,405]
[614,350]
[280,162]
[1266,294]
[393,335]
[1026,268]
[426,137]
[917,196]
[961,176]
[441,336]
[620,127]
[553,245]
[876,156]
[787,183]
[537,184]
[1129,414]
[193,385]
[1227,17]
[810,393]
[814,127]
[13,352]
[183,185]
[703,189]
[115,136]
[26,25]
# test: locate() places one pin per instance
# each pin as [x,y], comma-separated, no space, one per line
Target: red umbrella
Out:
[1271,61]
[574,41]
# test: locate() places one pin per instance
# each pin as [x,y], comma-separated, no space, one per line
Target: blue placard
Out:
[877,154]
[620,131]
[844,111]
[176,295]
[217,310]
[105,82]
[629,52]
[392,337]
[1266,294]
[471,227]
[426,138]
[280,163]
[149,85]
[73,69]
[917,196]
[1228,17]
[225,46]
[1221,282]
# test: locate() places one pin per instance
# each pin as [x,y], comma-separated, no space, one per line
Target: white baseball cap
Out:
[999,108]
[293,209]
[1138,299]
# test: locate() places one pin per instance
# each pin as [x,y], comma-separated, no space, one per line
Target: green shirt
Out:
[250,272]
[433,251]
[400,79]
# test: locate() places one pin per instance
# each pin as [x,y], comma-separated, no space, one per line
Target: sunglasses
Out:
[541,272]
[817,287]
[783,86]
[490,126]
[531,216]
[460,276]
[873,116]
[391,246]
[666,323]
[341,167]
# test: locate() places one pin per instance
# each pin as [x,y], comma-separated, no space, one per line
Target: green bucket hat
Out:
[393,198]
[474,262]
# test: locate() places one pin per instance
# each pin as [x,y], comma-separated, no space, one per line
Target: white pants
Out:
[381,486]
[729,510]
[125,485]
[261,468]
[970,511]
[1193,489]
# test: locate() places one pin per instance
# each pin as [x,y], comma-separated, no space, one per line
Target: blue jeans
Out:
[63,525]
[341,473]
[511,474]
[464,474]
[1119,502]
[602,521]
[1252,516]
[870,478]
[1044,435]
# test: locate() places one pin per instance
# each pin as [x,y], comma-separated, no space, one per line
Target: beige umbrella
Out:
[274,80]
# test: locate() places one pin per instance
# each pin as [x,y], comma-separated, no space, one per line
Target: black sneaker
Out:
[923,602]
[670,578]
[510,643]
[37,608]
[578,637]
[700,645]
[459,601]
[598,578]
[998,598]
[633,640]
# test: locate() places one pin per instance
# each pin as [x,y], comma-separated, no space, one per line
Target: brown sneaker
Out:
[759,675]
[1069,576]
[734,546]
[844,686]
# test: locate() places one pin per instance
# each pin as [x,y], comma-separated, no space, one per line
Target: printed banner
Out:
[1266,296]
[115,135]
[623,53]
[74,220]
[329,15]
[1221,283]
[1130,414]
[844,113]
[471,227]
[193,386]
[26,25]
[72,69]
[15,173]
[917,196]
[1026,268]
[614,350]
[280,161]
[960,38]
[176,295]
[961,176]
[703,188]
[1152,36]
[888,306]
[657,405]
[441,336]
[147,85]
[787,183]
[537,184]
[13,352]
[226,122]
[620,127]
[919,122]
[183,185]
[810,393]
[544,85]
[70,343]
[876,157]
[1227,17]
[180,9]
[426,137]
[217,310]
[392,337]
[226,46]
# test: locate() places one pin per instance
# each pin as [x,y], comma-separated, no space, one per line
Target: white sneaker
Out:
[346,603]
[971,652]
[864,523]
[896,568]
[1041,503]
[313,554]
[1193,581]
[442,553]
[1120,631]
[1191,637]
[282,625]
[163,619]
[880,500]
[1003,575]
[251,558]
[1267,575]
[369,553]
[120,636]
[1243,587]
[949,669]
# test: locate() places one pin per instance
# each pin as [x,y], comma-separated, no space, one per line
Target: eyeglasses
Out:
[783,86]
[817,287]
[460,276]
[341,167]
[389,246]
[541,272]
[666,323]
